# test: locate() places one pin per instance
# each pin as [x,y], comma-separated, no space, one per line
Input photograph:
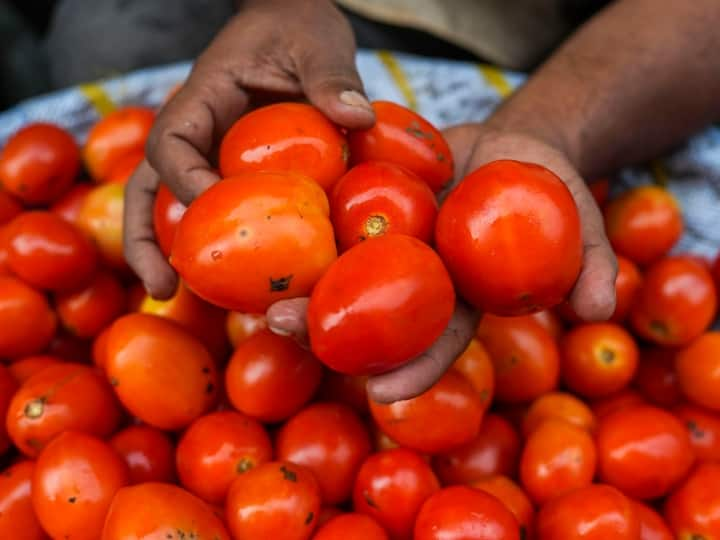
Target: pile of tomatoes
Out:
[129,417]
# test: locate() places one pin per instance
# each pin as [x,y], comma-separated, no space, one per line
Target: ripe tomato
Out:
[9,207]
[26,367]
[381,304]
[155,510]
[331,441]
[273,500]
[123,168]
[514,499]
[347,389]
[475,365]
[148,452]
[600,190]
[65,396]
[656,378]
[495,450]
[161,373]
[598,359]
[285,137]
[101,218]
[405,138]
[121,132]
[644,451]
[351,527]
[561,406]
[68,206]
[464,512]
[552,324]
[698,371]
[17,517]
[524,355]
[28,324]
[218,447]
[271,377]
[596,512]
[99,348]
[620,400]
[381,440]
[8,387]
[167,212]
[391,486]
[643,223]
[652,525]
[627,285]
[39,163]
[76,477]
[510,236]
[703,426]
[327,513]
[693,509]
[377,198]
[414,422]
[240,326]
[4,251]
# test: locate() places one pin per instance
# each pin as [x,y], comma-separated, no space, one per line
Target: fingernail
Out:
[280,331]
[355,99]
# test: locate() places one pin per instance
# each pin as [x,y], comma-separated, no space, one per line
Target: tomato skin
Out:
[4,251]
[148,452]
[616,402]
[693,509]
[241,326]
[405,138]
[703,426]
[627,284]
[218,447]
[551,322]
[697,370]
[100,217]
[9,207]
[157,510]
[27,366]
[273,500]
[376,198]
[75,479]
[465,513]
[17,517]
[379,305]
[271,377]
[39,163]
[656,378]
[99,348]
[644,451]
[391,486]
[124,167]
[510,236]
[559,405]
[326,514]
[8,388]
[351,527]
[68,206]
[652,525]
[28,324]
[514,499]
[292,137]
[160,373]
[167,212]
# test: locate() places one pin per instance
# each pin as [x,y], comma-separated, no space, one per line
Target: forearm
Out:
[631,83]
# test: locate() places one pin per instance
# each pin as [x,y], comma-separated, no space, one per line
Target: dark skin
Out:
[628,85]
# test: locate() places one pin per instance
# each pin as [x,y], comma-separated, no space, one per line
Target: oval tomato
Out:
[101,218]
[514,499]
[693,509]
[652,525]
[656,378]
[17,517]
[561,406]
[26,367]
[241,326]
[698,371]
[148,452]
[351,527]
[703,426]
[167,212]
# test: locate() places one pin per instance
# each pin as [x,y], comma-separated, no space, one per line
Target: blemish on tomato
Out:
[280,284]
[216,255]
[288,474]
[309,518]
[369,500]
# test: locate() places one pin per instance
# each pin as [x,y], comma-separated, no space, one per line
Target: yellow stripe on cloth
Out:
[97,96]
[659,172]
[496,79]
[399,77]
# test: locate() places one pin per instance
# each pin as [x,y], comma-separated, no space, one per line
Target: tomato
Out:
[652,525]
[161,373]
[39,163]
[285,137]
[693,509]
[600,190]
[75,479]
[598,359]
[379,305]
[271,377]
[99,348]
[121,132]
[69,347]
[561,406]
[331,441]
[9,207]
[381,440]
[68,206]
[28,324]
[8,387]
[656,378]
[644,223]
[377,198]
[47,252]
[273,225]
[644,451]
[391,486]
[240,326]
[465,513]
[273,500]
[405,138]
[620,400]
[4,250]
[552,324]
[596,512]
[698,371]
[17,517]
[347,389]
[148,452]
[414,422]
[26,367]
[66,396]
[218,447]
[475,365]
[510,236]
[676,303]
[101,217]
[627,284]
[351,527]
[167,212]
[495,450]
[123,168]
[703,426]
[514,499]
[326,514]
[155,510]
[524,355]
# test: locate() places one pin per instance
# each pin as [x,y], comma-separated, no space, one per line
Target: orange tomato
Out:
[475,365]
[122,169]
[9,207]
[560,406]
[17,517]
[514,499]
[351,527]
[101,218]
[167,213]
[8,387]
[240,326]
[99,348]
[24,368]
[148,452]
[652,525]
[698,371]
[693,509]
[68,206]
[656,378]
[703,426]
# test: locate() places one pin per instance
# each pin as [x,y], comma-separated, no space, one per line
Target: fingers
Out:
[288,318]
[141,251]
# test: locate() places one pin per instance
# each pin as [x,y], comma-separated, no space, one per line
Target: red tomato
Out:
[4,251]
[76,477]
[510,236]
[644,223]
[561,406]
[331,441]
[552,324]
[465,513]
[273,500]
[600,190]
[347,389]
[39,163]
[68,206]
[161,373]
[656,378]
[8,387]
[676,303]
[123,168]
[17,517]
[698,371]
[240,326]
[652,525]
[475,365]
[391,486]
[218,447]
[270,377]
[292,137]
[377,198]
[148,452]
[121,132]
[693,510]
[326,514]
[381,304]
[273,225]
[154,510]
[28,324]
[167,213]
[627,285]
[703,426]
[101,218]
[66,396]
[26,367]
[621,400]
[351,527]
[514,499]
[643,450]
[9,207]
[414,422]
[99,348]
[404,138]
